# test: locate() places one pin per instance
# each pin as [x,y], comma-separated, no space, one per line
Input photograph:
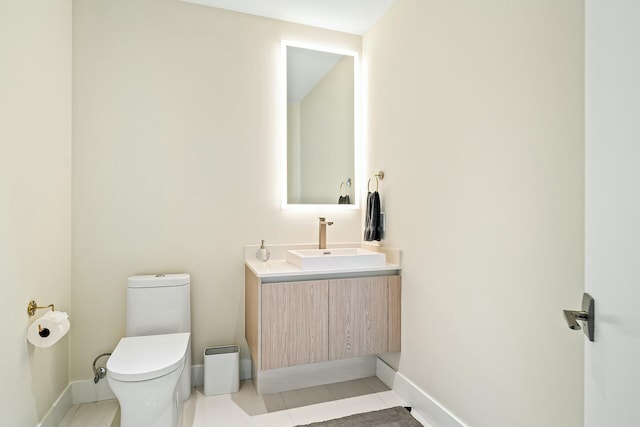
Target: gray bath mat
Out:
[392,417]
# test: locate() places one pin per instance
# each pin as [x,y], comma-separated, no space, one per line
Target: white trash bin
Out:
[221,370]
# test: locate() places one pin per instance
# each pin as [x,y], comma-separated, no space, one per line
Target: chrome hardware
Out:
[573,316]
[586,317]
[99,373]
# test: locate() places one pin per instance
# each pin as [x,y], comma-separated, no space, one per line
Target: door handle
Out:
[586,317]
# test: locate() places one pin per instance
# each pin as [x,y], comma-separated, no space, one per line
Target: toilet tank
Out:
[158,304]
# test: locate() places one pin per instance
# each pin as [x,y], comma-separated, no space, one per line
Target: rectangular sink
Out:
[339,258]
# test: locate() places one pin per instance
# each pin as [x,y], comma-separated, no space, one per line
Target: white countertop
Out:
[277,266]
[281,268]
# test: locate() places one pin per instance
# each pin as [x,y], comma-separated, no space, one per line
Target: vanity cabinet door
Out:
[294,323]
[358,317]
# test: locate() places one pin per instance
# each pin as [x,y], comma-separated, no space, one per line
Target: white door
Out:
[612,362]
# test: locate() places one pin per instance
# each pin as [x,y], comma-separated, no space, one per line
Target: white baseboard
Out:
[56,413]
[85,391]
[427,408]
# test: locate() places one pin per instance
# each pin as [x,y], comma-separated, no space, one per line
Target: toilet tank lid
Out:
[158,280]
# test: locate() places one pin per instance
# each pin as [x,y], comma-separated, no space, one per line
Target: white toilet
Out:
[150,369]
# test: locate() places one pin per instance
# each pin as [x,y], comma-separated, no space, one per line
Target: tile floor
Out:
[288,409]
[247,409]
[105,413]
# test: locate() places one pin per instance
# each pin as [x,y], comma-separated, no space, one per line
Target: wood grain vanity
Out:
[302,324]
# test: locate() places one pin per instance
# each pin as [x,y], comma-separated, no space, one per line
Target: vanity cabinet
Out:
[294,323]
[358,311]
[303,322]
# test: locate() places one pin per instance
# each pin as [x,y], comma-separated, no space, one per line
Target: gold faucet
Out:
[322,244]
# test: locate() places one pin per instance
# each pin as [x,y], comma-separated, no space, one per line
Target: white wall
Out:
[35,199]
[475,114]
[176,160]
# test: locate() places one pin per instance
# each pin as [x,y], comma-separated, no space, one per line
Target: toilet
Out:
[150,369]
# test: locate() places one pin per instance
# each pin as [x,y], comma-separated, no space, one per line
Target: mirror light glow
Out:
[358,179]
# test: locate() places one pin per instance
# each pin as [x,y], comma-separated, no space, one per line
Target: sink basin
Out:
[340,258]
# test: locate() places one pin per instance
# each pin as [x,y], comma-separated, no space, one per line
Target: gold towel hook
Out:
[378,177]
[33,306]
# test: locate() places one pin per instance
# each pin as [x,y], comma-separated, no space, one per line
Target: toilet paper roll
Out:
[47,330]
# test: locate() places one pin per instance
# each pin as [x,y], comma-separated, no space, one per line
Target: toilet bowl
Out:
[150,369]
[146,375]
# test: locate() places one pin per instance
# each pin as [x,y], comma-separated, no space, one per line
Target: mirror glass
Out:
[321,131]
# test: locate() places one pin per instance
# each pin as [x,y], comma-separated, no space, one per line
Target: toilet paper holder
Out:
[33,306]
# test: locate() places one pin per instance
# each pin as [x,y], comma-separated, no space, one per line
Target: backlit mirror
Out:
[321,133]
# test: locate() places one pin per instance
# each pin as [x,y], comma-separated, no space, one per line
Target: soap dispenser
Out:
[263,253]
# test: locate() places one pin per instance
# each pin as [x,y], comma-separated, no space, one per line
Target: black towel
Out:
[372,225]
[344,200]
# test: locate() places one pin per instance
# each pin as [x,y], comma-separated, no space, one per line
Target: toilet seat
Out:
[147,357]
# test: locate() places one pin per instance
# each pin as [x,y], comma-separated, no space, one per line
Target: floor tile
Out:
[247,399]
[94,414]
[306,396]
[375,384]
[348,389]
[189,409]
[390,398]
[66,421]
[274,419]
[274,402]
[220,411]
